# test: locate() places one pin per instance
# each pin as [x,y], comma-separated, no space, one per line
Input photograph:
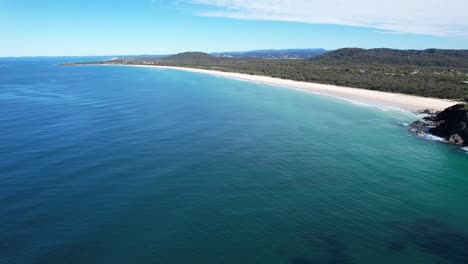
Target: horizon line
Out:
[214,52]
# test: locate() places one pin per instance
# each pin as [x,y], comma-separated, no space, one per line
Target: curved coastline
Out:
[379,99]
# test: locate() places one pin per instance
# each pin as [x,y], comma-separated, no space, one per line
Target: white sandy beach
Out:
[375,98]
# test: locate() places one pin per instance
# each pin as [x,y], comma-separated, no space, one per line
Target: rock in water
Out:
[452,124]
[456,139]
[421,133]
[428,112]
[419,123]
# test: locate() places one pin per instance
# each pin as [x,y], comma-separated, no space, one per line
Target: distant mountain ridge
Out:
[274,54]
[425,58]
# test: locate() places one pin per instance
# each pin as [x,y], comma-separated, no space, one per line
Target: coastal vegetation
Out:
[430,73]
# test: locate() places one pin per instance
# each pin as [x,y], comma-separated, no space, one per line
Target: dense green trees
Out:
[424,58]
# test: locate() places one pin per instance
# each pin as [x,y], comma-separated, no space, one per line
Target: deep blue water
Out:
[105,164]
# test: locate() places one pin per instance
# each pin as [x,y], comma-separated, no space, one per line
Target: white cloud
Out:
[431,17]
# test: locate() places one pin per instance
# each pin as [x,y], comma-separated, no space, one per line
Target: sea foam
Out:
[434,138]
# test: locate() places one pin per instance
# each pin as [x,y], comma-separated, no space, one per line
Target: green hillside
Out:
[192,58]
[423,58]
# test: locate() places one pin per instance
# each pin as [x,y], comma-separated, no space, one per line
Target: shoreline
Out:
[405,102]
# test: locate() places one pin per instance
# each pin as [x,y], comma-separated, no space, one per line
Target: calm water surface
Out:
[135,165]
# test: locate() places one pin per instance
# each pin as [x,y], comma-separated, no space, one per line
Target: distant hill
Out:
[192,58]
[425,58]
[274,54]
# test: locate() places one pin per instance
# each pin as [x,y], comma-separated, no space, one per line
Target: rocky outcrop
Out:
[420,123]
[451,124]
[456,139]
[428,112]
[421,133]
[418,132]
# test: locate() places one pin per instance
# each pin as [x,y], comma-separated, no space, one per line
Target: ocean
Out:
[103,164]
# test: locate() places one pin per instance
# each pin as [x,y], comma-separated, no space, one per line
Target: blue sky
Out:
[112,27]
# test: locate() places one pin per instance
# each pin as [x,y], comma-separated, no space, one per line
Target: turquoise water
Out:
[135,165]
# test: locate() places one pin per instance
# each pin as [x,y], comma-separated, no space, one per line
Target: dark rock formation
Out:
[420,123]
[418,132]
[427,122]
[428,112]
[456,139]
[452,124]
[421,133]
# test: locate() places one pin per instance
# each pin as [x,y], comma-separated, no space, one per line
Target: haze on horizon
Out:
[71,28]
